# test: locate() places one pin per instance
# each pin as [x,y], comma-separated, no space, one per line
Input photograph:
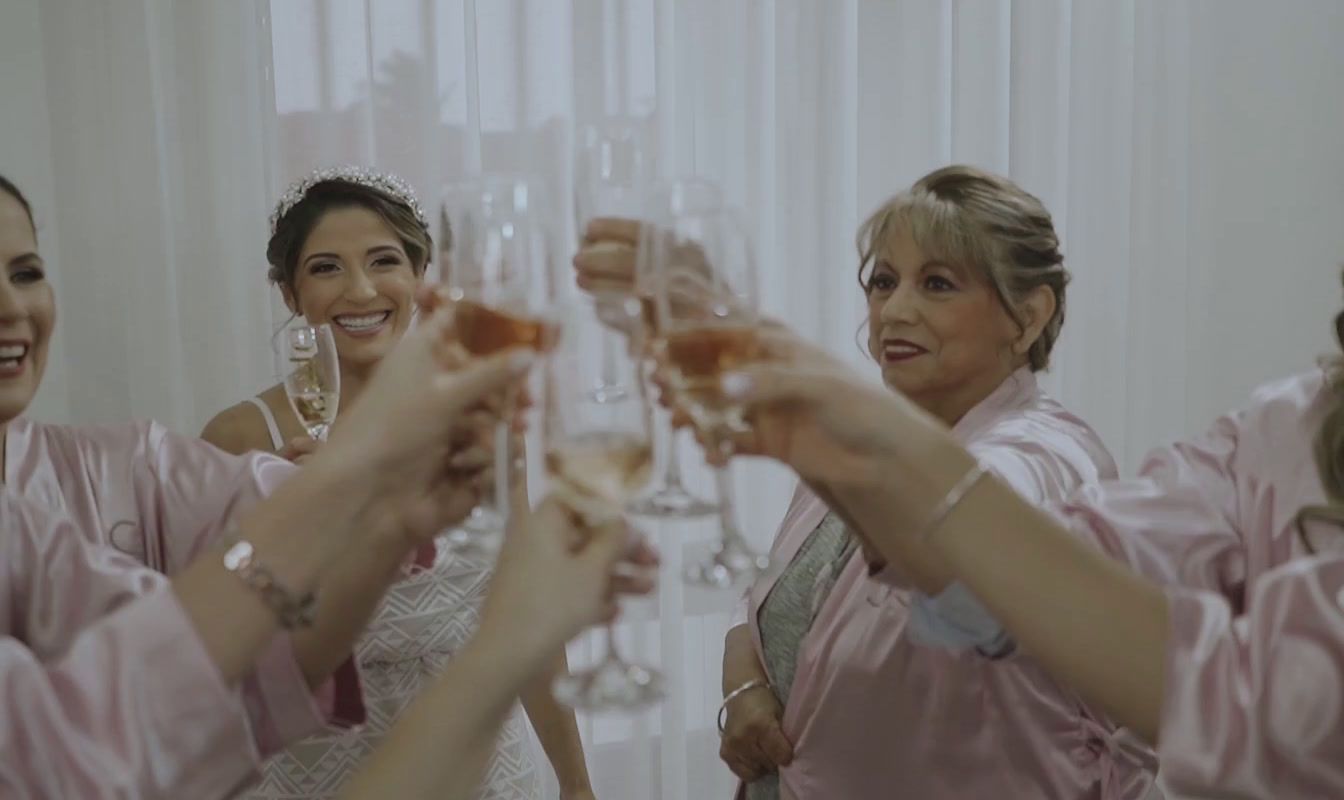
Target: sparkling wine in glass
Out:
[313,379]
[663,203]
[484,331]
[495,248]
[598,454]
[706,299]
[611,175]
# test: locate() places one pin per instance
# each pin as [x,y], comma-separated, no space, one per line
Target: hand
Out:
[605,263]
[298,449]
[817,415]
[606,268]
[401,430]
[554,578]
[753,741]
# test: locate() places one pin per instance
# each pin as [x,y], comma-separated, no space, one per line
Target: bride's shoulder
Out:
[240,428]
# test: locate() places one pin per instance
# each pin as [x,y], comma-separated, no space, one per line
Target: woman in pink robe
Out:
[939,721]
[68,635]
[164,498]
[1222,640]
[943,722]
[965,289]
[116,684]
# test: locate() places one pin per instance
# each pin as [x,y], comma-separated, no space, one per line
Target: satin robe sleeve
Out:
[1254,705]
[189,493]
[1177,523]
[102,703]
[954,619]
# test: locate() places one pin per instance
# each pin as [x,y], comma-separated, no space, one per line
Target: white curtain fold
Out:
[1189,150]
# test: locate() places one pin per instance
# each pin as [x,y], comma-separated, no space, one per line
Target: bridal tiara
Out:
[384,182]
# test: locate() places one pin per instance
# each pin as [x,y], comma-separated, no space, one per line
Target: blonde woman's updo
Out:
[980,221]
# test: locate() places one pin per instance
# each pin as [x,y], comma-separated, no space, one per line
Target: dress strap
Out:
[277,441]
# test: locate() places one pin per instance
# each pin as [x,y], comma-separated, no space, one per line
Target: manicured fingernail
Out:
[735,384]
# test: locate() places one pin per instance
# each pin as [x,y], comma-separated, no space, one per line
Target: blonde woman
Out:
[1223,642]
[832,686]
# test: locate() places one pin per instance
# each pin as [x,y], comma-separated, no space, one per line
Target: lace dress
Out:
[425,618]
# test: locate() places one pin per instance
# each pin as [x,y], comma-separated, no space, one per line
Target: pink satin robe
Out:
[874,714]
[1256,654]
[106,688]
[163,499]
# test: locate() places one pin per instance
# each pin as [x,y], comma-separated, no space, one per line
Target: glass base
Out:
[726,567]
[610,686]
[672,502]
[608,393]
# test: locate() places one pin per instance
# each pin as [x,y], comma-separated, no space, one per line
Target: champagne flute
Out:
[706,301]
[313,379]
[671,499]
[495,249]
[611,173]
[598,453]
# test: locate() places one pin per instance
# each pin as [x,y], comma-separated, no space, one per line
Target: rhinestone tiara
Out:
[384,182]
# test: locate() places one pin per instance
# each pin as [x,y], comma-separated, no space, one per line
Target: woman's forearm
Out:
[440,747]
[351,593]
[740,663]
[1090,621]
[557,729]
[872,513]
[296,534]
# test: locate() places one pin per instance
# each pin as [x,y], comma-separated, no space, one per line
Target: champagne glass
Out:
[671,499]
[313,379]
[706,301]
[611,173]
[598,453]
[495,249]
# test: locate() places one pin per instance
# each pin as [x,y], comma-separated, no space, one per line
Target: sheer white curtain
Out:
[1190,150]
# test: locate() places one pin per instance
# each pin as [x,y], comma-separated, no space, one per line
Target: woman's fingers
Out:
[606,261]
[742,759]
[613,229]
[775,746]
[298,449]
[622,584]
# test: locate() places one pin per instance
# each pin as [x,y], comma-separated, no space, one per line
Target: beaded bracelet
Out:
[293,611]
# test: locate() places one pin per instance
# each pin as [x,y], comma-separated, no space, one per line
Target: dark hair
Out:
[7,186]
[1328,448]
[293,229]
[984,221]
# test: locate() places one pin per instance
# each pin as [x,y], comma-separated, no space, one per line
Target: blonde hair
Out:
[978,220]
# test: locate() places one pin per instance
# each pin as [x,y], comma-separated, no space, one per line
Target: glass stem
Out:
[672,470]
[503,465]
[729,536]
[504,456]
[608,377]
[610,652]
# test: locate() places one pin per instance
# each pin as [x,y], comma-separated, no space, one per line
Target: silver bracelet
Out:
[754,683]
[293,611]
[953,497]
